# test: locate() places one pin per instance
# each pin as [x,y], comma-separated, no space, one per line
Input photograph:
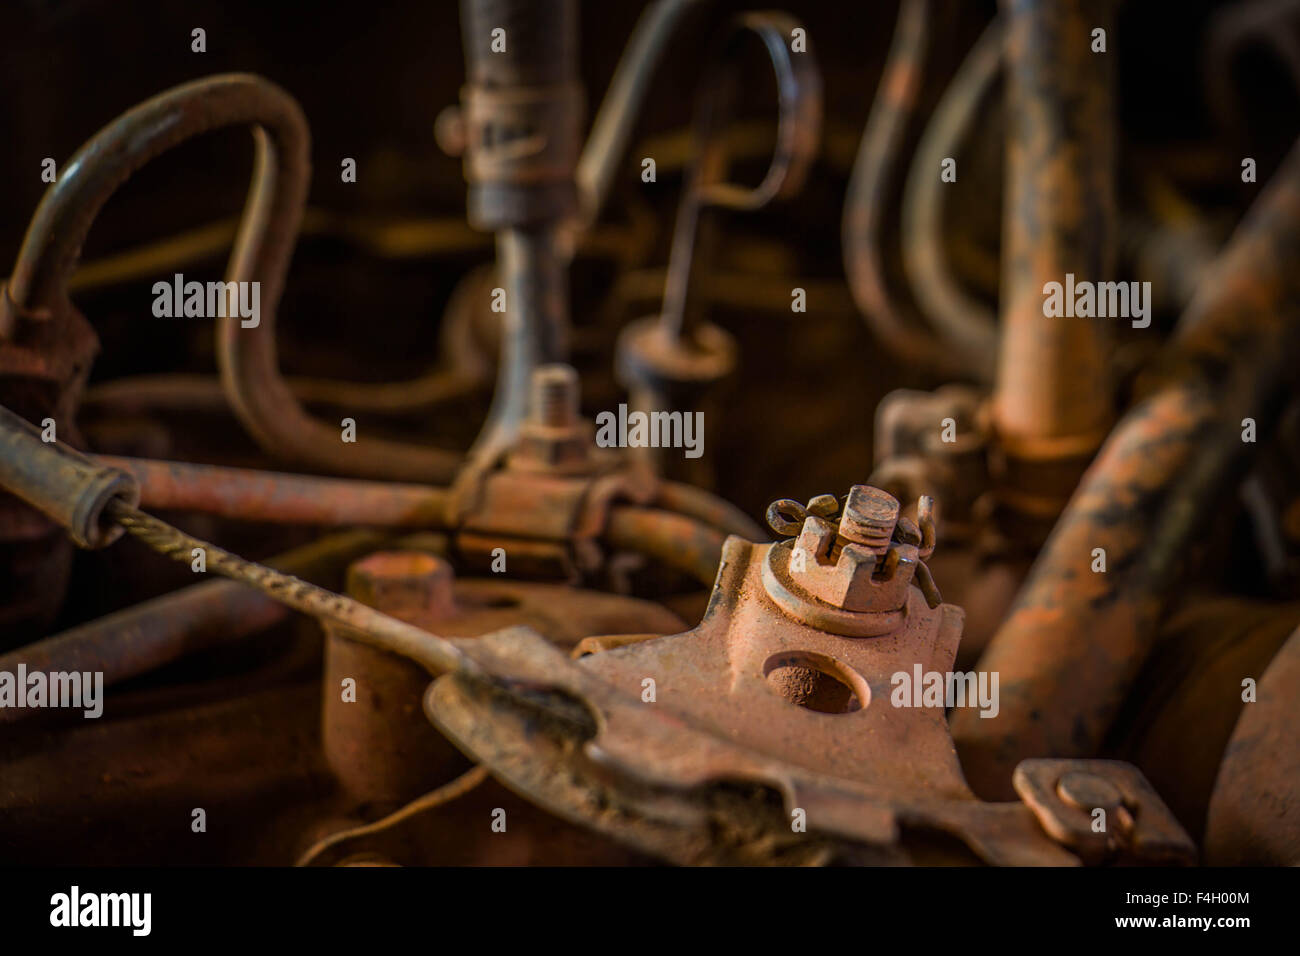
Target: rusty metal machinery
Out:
[1027,588]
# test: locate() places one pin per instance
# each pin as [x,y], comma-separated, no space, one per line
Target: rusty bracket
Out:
[758,719]
[761,735]
[556,520]
[550,513]
[1103,810]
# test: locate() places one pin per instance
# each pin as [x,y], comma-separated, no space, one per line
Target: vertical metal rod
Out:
[1076,638]
[1052,400]
[523,106]
[535,332]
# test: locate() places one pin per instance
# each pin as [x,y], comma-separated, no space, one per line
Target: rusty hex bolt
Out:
[400,582]
[864,563]
[1088,791]
[555,396]
[554,438]
[869,517]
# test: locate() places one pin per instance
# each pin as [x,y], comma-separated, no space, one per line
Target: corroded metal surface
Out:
[1052,376]
[1254,815]
[754,697]
[257,495]
[542,623]
[1076,639]
[377,740]
[1052,403]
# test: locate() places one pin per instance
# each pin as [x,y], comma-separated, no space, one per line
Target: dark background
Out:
[373,77]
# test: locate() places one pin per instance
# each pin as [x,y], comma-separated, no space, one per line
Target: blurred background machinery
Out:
[796,268]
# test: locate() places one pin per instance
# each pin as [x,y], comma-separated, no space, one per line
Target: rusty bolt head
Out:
[555,396]
[849,579]
[554,438]
[1088,791]
[404,583]
[869,518]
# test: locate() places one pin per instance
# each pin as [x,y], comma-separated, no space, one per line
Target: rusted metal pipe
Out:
[462,370]
[901,334]
[621,107]
[962,320]
[1266,24]
[1076,638]
[716,512]
[673,359]
[62,221]
[246,357]
[1254,816]
[522,108]
[1052,403]
[263,246]
[677,541]
[252,495]
[61,483]
[183,392]
[798,138]
[536,329]
[142,638]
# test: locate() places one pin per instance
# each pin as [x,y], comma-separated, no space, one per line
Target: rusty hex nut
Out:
[555,438]
[848,580]
[403,583]
[564,450]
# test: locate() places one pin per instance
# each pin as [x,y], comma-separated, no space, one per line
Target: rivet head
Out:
[1087,791]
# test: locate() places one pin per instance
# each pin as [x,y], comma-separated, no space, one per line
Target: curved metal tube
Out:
[799,115]
[462,370]
[1236,26]
[703,506]
[621,107]
[63,219]
[264,244]
[246,357]
[1075,640]
[678,541]
[1254,815]
[896,97]
[968,323]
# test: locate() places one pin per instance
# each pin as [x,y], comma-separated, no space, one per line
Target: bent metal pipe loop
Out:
[677,355]
[263,247]
[901,331]
[799,119]
[660,23]
[62,221]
